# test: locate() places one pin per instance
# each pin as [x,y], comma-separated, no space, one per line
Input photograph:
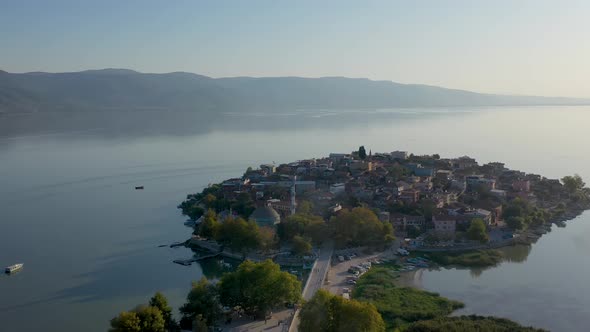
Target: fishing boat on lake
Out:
[13,268]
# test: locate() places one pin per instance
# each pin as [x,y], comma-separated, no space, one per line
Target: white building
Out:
[402,155]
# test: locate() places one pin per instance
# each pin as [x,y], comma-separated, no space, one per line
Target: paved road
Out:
[318,272]
[316,279]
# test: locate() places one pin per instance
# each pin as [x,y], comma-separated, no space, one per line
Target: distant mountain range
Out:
[111,89]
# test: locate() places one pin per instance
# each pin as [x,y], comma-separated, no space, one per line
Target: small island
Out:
[349,226]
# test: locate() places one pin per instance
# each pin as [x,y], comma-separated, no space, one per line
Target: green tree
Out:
[360,226]
[305,207]
[297,224]
[516,223]
[362,153]
[159,301]
[151,319]
[477,231]
[202,303]
[141,319]
[397,172]
[267,238]
[210,226]
[199,325]
[317,231]
[517,208]
[259,287]
[354,316]
[191,210]
[573,183]
[316,315]
[127,321]
[301,246]
[244,205]
[239,234]
[513,211]
[329,313]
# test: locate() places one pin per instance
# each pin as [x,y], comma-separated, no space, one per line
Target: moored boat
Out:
[13,268]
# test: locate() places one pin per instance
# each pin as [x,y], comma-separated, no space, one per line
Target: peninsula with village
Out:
[338,243]
[428,202]
[351,227]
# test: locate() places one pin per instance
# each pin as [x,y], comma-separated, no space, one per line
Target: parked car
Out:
[402,252]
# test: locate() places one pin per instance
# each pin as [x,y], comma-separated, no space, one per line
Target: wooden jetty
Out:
[187,262]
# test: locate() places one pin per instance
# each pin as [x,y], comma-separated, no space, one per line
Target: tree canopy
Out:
[267,238]
[141,319]
[329,313]
[305,207]
[301,246]
[210,225]
[477,231]
[259,287]
[360,226]
[239,234]
[573,183]
[213,198]
[519,214]
[159,301]
[302,224]
[362,152]
[202,303]
[516,223]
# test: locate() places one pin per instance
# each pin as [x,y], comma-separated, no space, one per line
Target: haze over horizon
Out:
[521,48]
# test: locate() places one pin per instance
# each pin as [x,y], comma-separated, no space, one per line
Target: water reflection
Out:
[215,268]
[516,254]
[512,254]
[476,272]
[125,124]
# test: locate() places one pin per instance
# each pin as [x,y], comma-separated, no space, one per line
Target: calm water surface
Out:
[69,211]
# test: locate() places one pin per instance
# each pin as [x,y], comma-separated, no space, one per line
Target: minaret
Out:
[293,202]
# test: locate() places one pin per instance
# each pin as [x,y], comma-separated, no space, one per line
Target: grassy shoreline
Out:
[400,306]
[408,309]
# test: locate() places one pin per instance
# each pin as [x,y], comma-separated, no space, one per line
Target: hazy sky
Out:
[514,46]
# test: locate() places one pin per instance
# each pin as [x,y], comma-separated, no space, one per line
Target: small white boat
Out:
[13,268]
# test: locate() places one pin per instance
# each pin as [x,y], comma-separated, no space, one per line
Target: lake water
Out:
[89,241]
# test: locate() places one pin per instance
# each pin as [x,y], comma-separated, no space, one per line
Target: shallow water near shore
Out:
[541,285]
[89,240]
